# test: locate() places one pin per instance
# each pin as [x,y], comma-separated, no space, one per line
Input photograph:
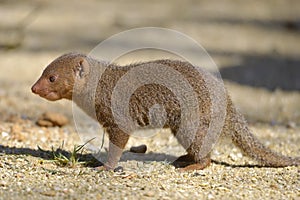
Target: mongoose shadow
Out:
[49,154]
[88,158]
[92,162]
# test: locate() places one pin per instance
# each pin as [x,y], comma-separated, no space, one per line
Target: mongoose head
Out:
[58,79]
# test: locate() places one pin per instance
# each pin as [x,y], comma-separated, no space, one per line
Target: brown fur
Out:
[74,67]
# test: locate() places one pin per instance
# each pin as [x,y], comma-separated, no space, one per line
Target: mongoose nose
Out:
[34,89]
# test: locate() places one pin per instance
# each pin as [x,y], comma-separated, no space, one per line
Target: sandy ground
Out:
[255,45]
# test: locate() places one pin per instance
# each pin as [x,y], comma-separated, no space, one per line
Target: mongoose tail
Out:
[241,135]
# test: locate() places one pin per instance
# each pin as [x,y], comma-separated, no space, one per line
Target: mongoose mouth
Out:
[51,96]
[46,94]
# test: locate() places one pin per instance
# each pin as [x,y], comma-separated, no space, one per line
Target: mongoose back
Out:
[59,78]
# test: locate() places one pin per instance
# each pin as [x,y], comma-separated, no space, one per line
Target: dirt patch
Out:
[50,119]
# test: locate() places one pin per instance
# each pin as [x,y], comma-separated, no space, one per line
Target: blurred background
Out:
[256,46]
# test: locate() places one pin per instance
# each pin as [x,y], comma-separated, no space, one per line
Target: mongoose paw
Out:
[183,161]
[186,163]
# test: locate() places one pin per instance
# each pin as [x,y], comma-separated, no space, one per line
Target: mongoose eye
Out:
[52,79]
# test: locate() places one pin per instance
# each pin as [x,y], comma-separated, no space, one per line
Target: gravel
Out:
[28,173]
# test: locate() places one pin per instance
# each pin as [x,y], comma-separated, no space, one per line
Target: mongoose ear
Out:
[80,68]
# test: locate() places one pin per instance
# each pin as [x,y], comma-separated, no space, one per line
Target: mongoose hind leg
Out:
[188,163]
[183,161]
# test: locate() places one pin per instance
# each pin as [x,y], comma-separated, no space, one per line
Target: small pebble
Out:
[139,149]
[119,169]
[149,194]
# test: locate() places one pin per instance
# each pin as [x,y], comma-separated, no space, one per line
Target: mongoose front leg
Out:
[117,142]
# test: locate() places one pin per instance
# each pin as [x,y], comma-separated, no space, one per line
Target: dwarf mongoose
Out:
[59,78]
